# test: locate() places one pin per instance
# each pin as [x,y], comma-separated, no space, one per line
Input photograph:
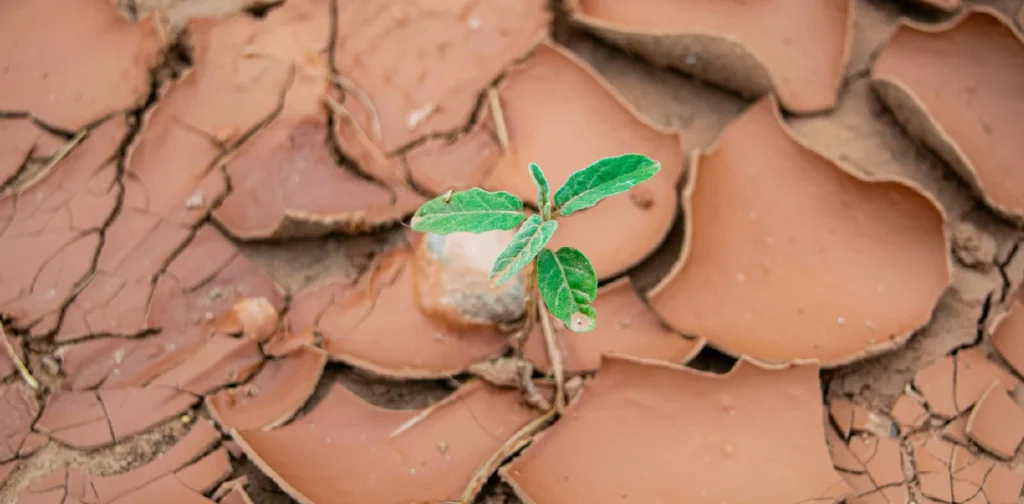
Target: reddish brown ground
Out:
[157,169]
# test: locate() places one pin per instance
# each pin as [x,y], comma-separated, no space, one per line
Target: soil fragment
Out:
[997,423]
[966,105]
[276,393]
[626,326]
[798,49]
[343,450]
[676,410]
[863,248]
[377,325]
[1008,336]
[285,181]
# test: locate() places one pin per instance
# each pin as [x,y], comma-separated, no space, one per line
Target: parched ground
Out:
[205,257]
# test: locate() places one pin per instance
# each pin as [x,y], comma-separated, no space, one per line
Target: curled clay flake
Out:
[935,383]
[342,451]
[966,105]
[1008,336]
[378,326]
[553,99]
[779,236]
[223,360]
[86,63]
[974,374]
[745,46]
[997,422]
[626,326]
[286,182]
[273,396]
[672,410]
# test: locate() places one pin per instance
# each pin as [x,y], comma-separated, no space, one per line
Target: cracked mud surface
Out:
[205,259]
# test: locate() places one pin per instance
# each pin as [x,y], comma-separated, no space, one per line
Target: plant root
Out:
[554,356]
[531,395]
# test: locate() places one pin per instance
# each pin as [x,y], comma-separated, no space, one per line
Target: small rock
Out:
[255,318]
[453,285]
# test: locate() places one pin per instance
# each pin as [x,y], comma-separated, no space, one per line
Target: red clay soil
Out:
[205,261]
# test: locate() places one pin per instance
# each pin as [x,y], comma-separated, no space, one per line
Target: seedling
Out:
[563,278]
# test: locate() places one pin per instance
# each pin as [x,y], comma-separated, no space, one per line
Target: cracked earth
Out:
[205,259]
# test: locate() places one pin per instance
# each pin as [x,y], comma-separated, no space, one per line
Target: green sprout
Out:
[565,277]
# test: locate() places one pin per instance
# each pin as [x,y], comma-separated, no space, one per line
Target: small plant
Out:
[563,278]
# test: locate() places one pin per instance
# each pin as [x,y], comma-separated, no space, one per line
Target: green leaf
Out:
[568,284]
[543,188]
[525,245]
[607,177]
[472,211]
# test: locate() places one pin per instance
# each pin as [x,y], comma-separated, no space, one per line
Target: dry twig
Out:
[25,374]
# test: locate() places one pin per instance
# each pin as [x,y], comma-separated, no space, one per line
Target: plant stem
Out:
[25,374]
[554,353]
[532,298]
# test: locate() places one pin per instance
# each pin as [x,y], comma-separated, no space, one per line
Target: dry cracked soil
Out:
[205,258]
